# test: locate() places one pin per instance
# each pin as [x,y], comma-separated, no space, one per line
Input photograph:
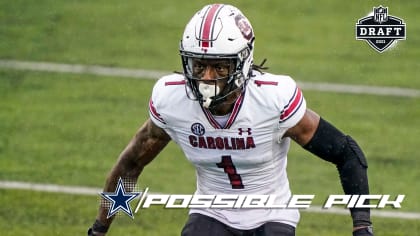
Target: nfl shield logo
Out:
[380,14]
[379,29]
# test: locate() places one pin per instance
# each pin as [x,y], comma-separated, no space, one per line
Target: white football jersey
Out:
[247,155]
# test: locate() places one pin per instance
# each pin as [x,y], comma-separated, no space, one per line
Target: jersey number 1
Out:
[230,169]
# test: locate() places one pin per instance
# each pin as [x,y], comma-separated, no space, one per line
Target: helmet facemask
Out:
[209,92]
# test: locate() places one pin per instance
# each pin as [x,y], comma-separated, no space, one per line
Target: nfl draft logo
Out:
[380,30]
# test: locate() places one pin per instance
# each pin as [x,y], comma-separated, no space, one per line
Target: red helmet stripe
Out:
[209,20]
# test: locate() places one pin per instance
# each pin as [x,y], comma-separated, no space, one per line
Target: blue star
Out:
[120,200]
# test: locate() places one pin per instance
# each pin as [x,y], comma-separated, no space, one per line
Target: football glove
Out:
[97,229]
[366,231]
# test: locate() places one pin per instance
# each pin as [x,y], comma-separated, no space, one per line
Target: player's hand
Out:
[92,233]
[97,229]
[365,231]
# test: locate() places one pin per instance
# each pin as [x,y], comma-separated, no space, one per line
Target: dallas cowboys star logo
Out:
[120,200]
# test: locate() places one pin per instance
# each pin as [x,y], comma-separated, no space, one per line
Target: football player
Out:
[235,122]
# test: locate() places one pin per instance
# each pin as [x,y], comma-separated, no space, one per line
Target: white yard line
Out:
[53,188]
[79,190]
[153,74]
[81,69]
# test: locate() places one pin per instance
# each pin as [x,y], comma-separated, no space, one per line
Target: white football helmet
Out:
[218,31]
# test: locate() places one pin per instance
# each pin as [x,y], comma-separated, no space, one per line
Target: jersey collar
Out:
[236,107]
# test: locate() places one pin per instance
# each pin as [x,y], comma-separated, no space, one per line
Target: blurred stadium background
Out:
[67,129]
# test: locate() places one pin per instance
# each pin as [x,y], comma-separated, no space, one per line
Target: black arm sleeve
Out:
[332,145]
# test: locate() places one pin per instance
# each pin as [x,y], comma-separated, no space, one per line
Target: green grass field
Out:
[68,129]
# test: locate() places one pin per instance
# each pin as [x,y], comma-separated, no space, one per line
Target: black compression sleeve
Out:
[332,145]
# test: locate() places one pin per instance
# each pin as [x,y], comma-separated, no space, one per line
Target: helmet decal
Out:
[244,26]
